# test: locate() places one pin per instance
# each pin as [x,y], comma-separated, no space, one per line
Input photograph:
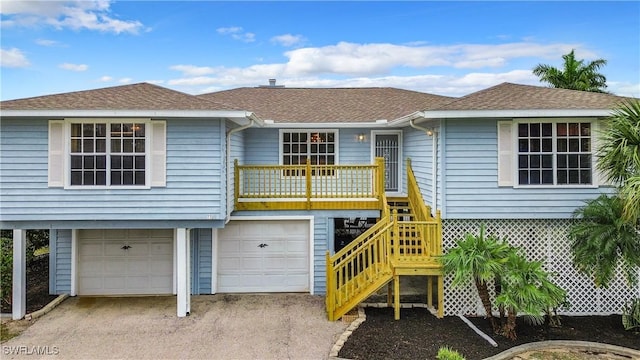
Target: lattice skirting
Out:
[545,240]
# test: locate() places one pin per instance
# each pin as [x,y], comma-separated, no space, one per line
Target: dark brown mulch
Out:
[419,335]
[37,285]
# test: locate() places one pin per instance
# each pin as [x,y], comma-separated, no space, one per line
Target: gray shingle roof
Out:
[507,96]
[142,96]
[323,105]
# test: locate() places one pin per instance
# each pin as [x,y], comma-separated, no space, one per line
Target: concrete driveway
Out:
[270,326]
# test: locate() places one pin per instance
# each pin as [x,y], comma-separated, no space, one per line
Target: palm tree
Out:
[619,155]
[526,289]
[480,259]
[576,75]
[602,238]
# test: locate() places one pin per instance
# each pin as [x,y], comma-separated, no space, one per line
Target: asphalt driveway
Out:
[270,326]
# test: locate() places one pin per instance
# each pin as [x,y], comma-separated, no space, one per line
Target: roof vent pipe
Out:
[272,82]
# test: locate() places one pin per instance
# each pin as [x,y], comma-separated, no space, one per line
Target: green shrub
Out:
[6,269]
[446,353]
[631,315]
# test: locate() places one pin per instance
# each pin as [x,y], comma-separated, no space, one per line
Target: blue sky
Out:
[448,48]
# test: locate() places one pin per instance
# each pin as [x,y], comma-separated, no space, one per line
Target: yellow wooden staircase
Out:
[406,240]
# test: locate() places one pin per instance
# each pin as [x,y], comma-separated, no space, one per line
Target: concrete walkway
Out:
[271,326]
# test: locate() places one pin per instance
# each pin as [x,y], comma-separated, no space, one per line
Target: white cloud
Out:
[192,70]
[624,88]
[106,78]
[13,58]
[125,80]
[237,33]
[74,67]
[288,39]
[76,15]
[48,43]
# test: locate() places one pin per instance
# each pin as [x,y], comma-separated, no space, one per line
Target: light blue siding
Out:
[60,262]
[201,263]
[471,188]
[194,188]
[418,146]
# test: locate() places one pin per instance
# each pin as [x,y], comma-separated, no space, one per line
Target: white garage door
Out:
[264,256]
[125,262]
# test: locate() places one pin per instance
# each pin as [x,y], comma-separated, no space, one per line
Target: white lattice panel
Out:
[544,240]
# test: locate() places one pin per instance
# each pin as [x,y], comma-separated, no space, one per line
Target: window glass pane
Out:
[76,162]
[574,129]
[286,148]
[331,160]
[523,161]
[87,145]
[585,129]
[523,130]
[286,137]
[534,177]
[116,178]
[523,145]
[88,162]
[585,144]
[116,130]
[523,177]
[562,129]
[534,145]
[127,130]
[534,130]
[585,177]
[562,145]
[101,162]
[139,145]
[87,130]
[76,178]
[127,162]
[573,161]
[547,161]
[547,177]
[101,178]
[286,160]
[562,161]
[101,145]
[535,161]
[585,161]
[574,177]
[116,162]
[127,145]
[115,146]
[547,145]
[139,178]
[139,130]
[562,177]
[101,130]
[139,162]
[547,130]
[295,137]
[87,178]
[76,130]
[574,145]
[127,178]
[75,145]
[303,137]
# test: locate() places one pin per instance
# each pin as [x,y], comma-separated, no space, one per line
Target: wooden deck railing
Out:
[260,187]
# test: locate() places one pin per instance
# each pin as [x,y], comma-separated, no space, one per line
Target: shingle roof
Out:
[141,96]
[323,105]
[507,96]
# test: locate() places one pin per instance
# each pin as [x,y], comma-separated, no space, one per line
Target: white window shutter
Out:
[56,153]
[505,153]
[159,153]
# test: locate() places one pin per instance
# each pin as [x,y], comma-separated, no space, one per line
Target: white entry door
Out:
[125,262]
[263,256]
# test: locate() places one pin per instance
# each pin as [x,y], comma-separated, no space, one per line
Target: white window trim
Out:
[67,153]
[336,143]
[516,152]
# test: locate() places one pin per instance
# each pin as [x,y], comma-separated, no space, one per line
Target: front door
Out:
[387,145]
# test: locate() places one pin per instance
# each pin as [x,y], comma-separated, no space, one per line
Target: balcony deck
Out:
[309,187]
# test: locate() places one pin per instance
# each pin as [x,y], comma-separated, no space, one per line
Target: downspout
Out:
[434,161]
[252,121]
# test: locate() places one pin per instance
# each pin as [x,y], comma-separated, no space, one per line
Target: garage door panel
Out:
[146,267]
[282,265]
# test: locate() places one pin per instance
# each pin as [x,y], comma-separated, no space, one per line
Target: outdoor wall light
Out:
[361,137]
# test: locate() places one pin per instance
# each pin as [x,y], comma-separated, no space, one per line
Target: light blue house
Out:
[146,190]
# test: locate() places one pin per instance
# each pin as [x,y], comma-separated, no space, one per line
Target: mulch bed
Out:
[418,335]
[37,285]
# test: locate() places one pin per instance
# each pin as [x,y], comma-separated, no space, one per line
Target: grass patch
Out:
[6,333]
